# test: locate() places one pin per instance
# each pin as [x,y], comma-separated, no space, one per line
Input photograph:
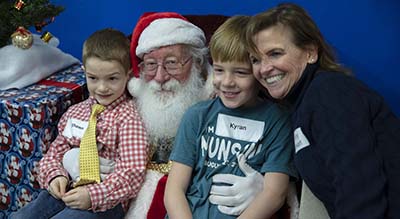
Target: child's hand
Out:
[58,186]
[78,198]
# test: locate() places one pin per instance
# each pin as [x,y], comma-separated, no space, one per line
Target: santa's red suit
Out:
[149,202]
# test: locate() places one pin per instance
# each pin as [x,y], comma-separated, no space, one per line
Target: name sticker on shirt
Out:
[239,128]
[300,140]
[75,128]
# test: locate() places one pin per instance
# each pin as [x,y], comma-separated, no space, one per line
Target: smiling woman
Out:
[335,117]
[279,63]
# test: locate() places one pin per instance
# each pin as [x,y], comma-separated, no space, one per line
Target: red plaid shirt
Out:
[121,137]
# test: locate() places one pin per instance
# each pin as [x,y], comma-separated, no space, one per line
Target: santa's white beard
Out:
[163,111]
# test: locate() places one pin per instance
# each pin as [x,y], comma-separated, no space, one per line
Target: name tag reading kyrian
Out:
[239,128]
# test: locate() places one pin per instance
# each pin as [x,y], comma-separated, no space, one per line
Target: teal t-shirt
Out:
[210,135]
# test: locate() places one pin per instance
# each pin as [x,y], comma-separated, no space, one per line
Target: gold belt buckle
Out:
[163,168]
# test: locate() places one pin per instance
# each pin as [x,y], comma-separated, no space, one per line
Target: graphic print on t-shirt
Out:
[231,135]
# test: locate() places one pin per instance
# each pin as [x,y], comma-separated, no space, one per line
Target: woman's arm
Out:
[270,199]
[175,192]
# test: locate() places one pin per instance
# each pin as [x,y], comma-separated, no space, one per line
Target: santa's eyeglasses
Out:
[171,65]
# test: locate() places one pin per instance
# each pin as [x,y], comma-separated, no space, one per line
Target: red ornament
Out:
[39,26]
[19,4]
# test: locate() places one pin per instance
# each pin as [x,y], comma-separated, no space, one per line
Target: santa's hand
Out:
[235,198]
[71,164]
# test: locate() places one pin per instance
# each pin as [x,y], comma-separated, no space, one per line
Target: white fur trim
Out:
[169,31]
[209,90]
[140,206]
[134,85]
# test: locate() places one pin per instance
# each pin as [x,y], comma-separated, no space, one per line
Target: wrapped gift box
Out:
[28,124]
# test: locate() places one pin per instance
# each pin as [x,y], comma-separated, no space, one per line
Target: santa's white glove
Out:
[235,198]
[71,164]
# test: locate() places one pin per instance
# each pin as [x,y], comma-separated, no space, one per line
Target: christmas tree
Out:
[25,13]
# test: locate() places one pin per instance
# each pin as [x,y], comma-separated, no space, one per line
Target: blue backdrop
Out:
[365,33]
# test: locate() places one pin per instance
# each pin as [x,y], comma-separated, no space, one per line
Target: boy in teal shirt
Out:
[236,127]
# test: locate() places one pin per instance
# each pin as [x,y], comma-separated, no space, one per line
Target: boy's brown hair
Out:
[108,45]
[227,44]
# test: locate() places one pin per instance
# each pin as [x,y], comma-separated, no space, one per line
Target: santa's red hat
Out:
[157,29]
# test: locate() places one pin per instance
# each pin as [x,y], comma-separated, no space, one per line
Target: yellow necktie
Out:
[88,157]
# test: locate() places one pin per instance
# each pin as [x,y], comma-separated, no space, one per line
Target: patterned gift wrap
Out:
[28,124]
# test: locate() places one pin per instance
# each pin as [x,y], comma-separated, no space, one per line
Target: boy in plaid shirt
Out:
[120,136]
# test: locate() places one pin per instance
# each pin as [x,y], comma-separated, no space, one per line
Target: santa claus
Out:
[170,65]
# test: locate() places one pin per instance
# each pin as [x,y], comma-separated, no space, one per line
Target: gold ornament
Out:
[22,38]
[46,36]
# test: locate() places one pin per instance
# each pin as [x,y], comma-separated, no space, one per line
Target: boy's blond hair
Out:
[227,44]
[108,45]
